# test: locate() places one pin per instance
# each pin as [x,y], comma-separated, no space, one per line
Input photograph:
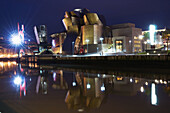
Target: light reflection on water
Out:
[86,91]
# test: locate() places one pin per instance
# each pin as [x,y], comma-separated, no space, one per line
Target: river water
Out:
[51,89]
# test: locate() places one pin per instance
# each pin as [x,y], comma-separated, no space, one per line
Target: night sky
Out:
[51,13]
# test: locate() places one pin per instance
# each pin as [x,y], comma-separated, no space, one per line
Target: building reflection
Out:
[7,66]
[86,91]
[58,80]
[42,85]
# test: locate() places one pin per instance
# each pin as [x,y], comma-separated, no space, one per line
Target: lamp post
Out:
[87,40]
[101,39]
[72,48]
[130,43]
[145,42]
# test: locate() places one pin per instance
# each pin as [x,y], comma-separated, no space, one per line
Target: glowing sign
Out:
[152,29]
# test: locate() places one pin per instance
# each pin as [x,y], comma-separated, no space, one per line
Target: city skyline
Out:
[31,13]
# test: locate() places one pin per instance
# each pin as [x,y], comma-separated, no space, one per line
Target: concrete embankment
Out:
[144,61]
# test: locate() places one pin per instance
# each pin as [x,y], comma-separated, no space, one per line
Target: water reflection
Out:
[7,66]
[86,91]
[153,95]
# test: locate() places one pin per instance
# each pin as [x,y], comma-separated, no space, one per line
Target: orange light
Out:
[119,78]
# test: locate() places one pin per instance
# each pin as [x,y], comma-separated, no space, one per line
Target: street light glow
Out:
[140,37]
[152,29]
[101,38]
[16,40]
[87,40]
[17,80]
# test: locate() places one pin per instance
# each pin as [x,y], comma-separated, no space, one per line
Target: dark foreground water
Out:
[55,90]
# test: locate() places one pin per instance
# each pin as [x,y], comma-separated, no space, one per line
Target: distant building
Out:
[41,37]
[86,33]
[159,42]
[82,28]
[125,38]
[7,51]
[57,42]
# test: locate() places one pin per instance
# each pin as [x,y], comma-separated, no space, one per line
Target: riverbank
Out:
[119,61]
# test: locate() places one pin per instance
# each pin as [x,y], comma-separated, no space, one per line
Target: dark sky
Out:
[51,13]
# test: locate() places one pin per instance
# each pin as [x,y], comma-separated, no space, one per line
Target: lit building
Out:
[80,25]
[126,38]
[41,37]
[157,39]
[87,33]
[6,51]
[57,42]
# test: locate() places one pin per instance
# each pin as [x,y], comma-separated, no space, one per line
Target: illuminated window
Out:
[136,45]
[119,78]
[135,37]
[119,46]
[138,42]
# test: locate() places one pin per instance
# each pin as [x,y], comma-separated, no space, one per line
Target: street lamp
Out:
[17,41]
[87,40]
[101,39]
[72,48]
[145,42]
[141,37]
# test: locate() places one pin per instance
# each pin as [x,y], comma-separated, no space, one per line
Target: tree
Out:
[146,36]
[166,36]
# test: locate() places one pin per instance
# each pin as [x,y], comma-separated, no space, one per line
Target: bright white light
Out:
[101,38]
[74,83]
[87,40]
[146,83]
[130,41]
[88,86]
[17,80]
[153,95]
[148,41]
[147,53]
[53,43]
[102,88]
[161,81]
[54,76]
[165,82]
[16,39]
[160,42]
[140,37]
[131,80]
[145,42]
[152,30]
[40,71]
[142,89]
[98,75]
[80,110]
[156,81]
